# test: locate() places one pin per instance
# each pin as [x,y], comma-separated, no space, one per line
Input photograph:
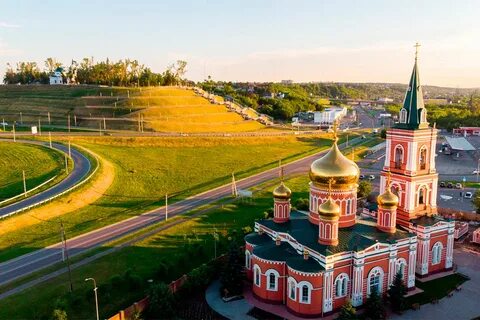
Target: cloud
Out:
[7,25]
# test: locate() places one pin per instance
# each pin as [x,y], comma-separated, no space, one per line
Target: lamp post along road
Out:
[95,291]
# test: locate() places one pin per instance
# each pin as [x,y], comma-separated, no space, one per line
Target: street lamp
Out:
[94,290]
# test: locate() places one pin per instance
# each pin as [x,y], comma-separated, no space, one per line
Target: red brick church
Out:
[313,262]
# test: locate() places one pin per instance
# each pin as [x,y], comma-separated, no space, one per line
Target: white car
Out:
[468,195]
[371,177]
[476,172]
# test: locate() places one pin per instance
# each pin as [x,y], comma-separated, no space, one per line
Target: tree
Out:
[374,307]
[59,314]
[161,302]
[302,204]
[347,312]
[383,134]
[476,200]
[231,277]
[364,189]
[396,294]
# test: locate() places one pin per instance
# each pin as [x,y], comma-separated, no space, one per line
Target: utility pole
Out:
[66,163]
[234,186]
[69,150]
[24,184]
[49,119]
[75,120]
[104,124]
[3,123]
[65,252]
[21,118]
[39,127]
[14,138]
[68,123]
[95,291]
[50,139]
[100,128]
[166,207]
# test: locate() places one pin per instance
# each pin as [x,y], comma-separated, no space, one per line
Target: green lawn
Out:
[436,289]
[40,164]
[185,247]
[146,169]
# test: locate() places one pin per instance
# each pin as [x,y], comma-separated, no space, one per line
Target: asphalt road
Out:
[37,260]
[80,171]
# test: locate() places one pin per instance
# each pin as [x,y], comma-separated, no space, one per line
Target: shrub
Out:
[162,302]
[302,204]
[59,314]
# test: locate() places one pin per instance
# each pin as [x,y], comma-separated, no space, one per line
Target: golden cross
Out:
[417,45]
[335,128]
[388,179]
[330,181]
[281,174]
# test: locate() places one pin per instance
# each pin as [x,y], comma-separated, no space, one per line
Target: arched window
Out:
[292,289]
[437,253]
[272,279]
[401,265]
[422,195]
[349,206]
[257,274]
[398,157]
[248,259]
[341,285]
[305,292]
[423,158]
[423,115]
[403,115]
[375,280]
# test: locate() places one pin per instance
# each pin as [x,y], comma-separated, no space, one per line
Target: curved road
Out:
[37,260]
[80,170]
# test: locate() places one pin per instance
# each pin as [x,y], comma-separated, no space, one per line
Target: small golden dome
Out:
[387,199]
[282,192]
[329,210]
[334,165]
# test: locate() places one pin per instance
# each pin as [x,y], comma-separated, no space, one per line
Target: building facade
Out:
[313,262]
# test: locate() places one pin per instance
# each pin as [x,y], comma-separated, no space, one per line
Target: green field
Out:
[144,259]
[39,163]
[148,168]
[166,109]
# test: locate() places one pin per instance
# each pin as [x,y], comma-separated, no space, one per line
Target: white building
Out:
[329,115]
[56,77]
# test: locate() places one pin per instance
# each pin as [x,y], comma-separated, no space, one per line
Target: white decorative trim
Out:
[277,276]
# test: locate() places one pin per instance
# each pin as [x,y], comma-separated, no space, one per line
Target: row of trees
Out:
[125,72]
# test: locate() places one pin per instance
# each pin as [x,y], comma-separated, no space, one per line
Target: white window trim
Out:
[370,274]
[257,270]
[292,283]
[300,285]
[437,251]
[277,276]
[403,115]
[248,260]
[344,280]
[398,265]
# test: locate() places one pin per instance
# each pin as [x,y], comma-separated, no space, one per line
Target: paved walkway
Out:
[464,304]
[234,310]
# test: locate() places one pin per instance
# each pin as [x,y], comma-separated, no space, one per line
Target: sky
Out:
[255,40]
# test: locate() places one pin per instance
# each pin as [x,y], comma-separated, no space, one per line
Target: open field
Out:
[162,109]
[40,164]
[192,239]
[145,169]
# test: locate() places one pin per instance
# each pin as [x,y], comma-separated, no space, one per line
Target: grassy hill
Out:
[39,163]
[164,109]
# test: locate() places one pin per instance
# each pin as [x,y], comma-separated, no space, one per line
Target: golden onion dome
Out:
[387,199]
[334,165]
[329,210]
[282,192]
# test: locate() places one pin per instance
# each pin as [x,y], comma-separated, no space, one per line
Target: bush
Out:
[59,314]
[132,280]
[364,189]
[348,312]
[268,213]
[162,302]
[116,281]
[302,204]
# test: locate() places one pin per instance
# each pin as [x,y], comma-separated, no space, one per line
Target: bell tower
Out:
[410,156]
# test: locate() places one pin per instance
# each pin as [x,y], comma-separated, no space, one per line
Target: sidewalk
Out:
[234,310]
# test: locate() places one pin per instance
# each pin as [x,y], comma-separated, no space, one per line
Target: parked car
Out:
[468,195]
[442,184]
[450,185]
[371,177]
[476,172]
[362,176]
[458,185]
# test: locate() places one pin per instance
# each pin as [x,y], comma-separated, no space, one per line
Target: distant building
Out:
[286,82]
[56,77]
[461,228]
[329,115]
[467,131]
[385,100]
[476,236]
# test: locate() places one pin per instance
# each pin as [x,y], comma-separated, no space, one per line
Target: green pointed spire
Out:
[413,114]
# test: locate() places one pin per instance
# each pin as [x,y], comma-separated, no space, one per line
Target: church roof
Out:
[358,237]
[413,102]
[428,221]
